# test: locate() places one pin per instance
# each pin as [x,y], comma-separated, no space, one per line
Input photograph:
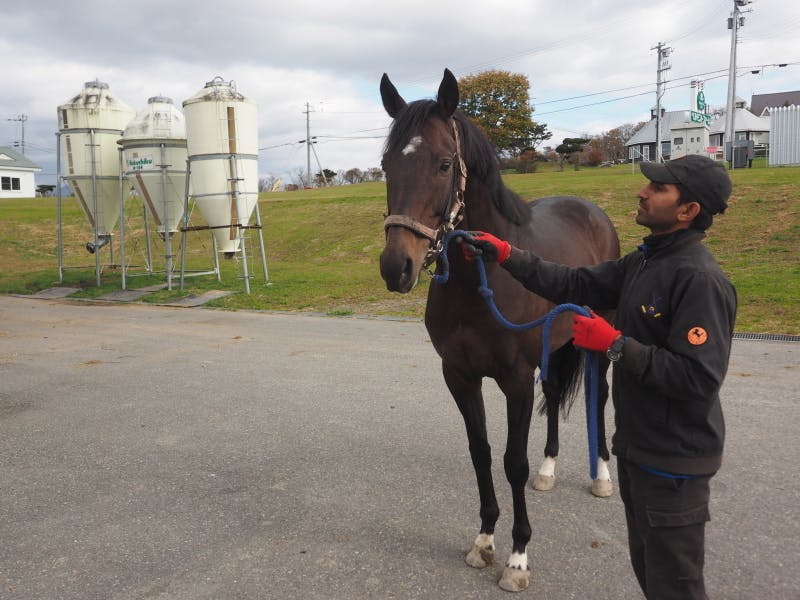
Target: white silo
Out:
[89,126]
[154,159]
[222,143]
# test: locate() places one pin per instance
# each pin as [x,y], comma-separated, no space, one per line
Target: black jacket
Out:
[677,309]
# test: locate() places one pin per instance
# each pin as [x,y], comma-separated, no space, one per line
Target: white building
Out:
[688,138]
[16,175]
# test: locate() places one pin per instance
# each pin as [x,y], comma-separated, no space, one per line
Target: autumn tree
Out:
[499,102]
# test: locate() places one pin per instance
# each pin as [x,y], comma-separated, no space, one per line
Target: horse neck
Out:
[481,212]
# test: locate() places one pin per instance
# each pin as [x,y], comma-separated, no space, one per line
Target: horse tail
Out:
[564,375]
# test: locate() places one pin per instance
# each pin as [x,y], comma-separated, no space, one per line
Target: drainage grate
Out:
[767,337]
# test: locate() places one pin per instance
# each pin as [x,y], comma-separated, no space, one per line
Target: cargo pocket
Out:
[678,518]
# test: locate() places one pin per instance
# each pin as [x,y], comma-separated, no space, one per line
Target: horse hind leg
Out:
[602,487]
[545,478]
[559,392]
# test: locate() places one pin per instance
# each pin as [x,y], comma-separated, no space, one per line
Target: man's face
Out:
[659,208]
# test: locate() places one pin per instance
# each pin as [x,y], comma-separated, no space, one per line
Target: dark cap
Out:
[706,179]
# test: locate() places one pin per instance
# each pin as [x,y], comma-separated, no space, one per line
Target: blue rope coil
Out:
[591,364]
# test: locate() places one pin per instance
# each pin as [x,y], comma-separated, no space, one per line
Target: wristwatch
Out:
[614,352]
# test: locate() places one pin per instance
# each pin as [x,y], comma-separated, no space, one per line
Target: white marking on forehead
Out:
[412,145]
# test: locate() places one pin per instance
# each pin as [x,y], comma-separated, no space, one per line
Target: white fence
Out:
[784,136]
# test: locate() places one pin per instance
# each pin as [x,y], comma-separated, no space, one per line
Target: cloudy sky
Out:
[591,64]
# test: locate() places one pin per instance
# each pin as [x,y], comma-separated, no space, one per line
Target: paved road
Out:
[152,452]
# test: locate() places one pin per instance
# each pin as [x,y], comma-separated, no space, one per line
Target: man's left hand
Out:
[593,333]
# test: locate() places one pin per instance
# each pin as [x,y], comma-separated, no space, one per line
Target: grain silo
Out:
[154,161]
[89,126]
[222,145]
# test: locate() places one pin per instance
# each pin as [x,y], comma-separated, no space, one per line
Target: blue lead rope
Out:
[592,364]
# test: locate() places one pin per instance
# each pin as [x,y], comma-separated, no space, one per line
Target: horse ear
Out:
[448,94]
[392,101]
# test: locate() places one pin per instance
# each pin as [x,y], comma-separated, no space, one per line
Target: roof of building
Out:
[647,134]
[743,120]
[11,159]
[759,102]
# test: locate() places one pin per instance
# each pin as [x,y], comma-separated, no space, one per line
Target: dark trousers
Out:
[666,531]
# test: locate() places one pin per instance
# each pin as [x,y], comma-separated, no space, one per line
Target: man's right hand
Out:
[480,243]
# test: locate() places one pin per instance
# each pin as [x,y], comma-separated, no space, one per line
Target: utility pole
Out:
[308,145]
[735,21]
[663,66]
[21,119]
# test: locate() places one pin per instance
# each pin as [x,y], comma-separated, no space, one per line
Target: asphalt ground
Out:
[187,453]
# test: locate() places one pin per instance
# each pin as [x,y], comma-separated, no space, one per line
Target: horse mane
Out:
[478,153]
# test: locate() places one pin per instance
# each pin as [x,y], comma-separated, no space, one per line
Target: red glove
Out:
[480,243]
[593,333]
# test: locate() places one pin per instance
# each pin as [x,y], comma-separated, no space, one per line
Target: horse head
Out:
[425,179]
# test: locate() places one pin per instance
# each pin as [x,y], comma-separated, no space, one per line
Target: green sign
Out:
[137,163]
[697,117]
[701,101]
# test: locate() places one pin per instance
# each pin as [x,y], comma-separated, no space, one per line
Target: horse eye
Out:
[445,166]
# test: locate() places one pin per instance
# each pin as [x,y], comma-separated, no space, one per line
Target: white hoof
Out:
[478,558]
[482,552]
[602,488]
[543,483]
[515,579]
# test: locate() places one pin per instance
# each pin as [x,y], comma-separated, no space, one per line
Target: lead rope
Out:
[591,365]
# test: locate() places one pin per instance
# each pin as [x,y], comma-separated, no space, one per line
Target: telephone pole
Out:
[21,119]
[308,144]
[663,66]
[735,21]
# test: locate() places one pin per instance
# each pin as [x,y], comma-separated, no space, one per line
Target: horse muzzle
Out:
[402,258]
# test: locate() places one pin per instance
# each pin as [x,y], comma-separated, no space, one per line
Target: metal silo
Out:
[222,142]
[154,159]
[89,126]
[154,162]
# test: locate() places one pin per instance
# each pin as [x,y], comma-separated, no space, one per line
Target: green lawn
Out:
[323,246]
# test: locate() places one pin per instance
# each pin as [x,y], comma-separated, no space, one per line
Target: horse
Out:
[442,170]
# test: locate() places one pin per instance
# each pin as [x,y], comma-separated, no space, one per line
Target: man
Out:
[670,344]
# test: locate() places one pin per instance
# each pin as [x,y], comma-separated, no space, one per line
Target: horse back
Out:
[571,231]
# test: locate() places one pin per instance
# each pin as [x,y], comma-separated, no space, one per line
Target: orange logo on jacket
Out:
[697,336]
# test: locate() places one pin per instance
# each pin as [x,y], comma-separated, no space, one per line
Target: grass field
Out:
[323,246]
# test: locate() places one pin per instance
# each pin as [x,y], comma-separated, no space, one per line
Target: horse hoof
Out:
[543,483]
[515,580]
[479,557]
[602,488]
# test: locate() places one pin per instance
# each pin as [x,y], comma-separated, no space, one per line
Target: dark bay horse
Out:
[441,170]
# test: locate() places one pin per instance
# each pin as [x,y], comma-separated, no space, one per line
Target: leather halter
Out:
[453,212]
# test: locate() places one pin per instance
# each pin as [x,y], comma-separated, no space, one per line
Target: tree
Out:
[354,175]
[324,177]
[373,174]
[569,147]
[500,103]
[45,189]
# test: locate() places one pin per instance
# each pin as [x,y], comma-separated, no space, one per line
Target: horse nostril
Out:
[408,270]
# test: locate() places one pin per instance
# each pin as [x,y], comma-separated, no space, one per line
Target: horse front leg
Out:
[466,391]
[519,409]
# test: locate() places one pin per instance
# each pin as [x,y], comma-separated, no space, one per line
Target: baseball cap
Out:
[706,179]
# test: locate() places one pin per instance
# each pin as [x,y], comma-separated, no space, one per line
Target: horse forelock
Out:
[409,123]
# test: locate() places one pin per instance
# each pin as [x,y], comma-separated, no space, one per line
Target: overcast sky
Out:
[591,64]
